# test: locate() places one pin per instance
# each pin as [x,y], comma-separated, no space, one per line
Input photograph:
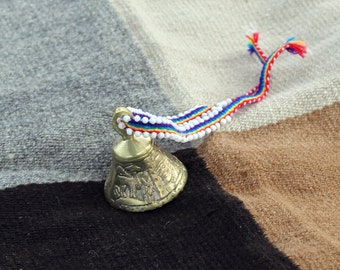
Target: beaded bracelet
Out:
[202,120]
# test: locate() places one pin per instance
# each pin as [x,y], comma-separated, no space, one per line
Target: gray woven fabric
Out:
[65,65]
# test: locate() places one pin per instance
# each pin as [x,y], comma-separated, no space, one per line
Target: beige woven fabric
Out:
[197,51]
[287,175]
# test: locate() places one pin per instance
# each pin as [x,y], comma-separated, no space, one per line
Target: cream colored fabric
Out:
[197,50]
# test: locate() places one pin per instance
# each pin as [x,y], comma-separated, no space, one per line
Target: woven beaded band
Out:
[202,120]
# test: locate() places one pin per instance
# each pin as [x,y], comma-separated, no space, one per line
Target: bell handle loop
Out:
[119,113]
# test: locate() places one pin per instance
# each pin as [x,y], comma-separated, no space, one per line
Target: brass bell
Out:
[143,176]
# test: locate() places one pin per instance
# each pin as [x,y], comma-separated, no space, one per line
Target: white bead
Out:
[129,131]
[145,120]
[146,134]
[215,112]
[213,127]
[153,135]
[136,118]
[195,136]
[161,135]
[190,138]
[228,101]
[228,118]
[218,125]
[200,135]
[167,135]
[205,117]
[178,138]
[207,131]
[195,122]
[180,114]
[121,125]
[126,118]
[153,120]
[138,133]
[159,120]
[224,103]
[223,121]
[219,108]
[183,129]
[184,140]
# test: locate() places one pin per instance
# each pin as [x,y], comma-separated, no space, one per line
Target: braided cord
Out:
[202,120]
[253,47]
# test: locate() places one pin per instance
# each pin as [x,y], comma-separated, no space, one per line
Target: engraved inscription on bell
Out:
[149,182]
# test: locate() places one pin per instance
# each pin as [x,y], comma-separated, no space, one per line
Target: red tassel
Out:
[297,47]
[254,38]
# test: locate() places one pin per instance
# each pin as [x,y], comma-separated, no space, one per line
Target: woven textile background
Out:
[262,194]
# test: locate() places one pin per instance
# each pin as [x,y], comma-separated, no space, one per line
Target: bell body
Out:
[143,176]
